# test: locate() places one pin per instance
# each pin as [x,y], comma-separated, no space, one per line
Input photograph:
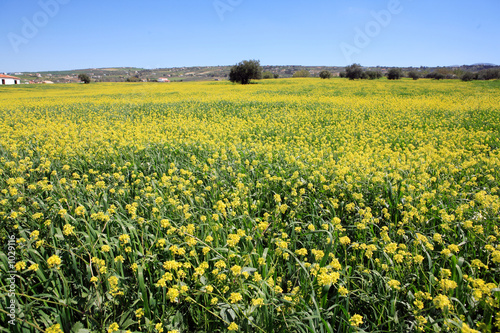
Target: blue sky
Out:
[40,35]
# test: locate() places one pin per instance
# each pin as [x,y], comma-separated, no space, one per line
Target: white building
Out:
[163,79]
[7,79]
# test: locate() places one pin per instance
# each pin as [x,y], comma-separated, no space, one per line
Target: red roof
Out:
[8,77]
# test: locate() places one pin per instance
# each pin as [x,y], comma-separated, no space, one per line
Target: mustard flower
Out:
[232,327]
[113,328]
[54,260]
[20,265]
[235,297]
[54,329]
[356,320]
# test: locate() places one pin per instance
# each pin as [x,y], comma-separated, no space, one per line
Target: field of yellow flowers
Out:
[294,205]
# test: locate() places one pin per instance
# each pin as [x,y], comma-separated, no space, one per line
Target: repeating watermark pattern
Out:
[224,6]
[31,27]
[371,30]
[11,279]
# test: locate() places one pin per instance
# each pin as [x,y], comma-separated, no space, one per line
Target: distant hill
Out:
[204,73]
[486,65]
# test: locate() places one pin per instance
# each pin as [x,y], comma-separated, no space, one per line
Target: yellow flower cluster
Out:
[54,261]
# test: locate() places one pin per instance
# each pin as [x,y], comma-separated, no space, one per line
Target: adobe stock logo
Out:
[223,6]
[372,29]
[30,28]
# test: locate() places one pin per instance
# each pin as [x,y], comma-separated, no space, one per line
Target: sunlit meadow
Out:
[298,205]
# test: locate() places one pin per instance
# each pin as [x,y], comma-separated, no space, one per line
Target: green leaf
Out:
[79,328]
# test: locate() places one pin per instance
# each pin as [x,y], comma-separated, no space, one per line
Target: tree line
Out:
[248,70]
[355,71]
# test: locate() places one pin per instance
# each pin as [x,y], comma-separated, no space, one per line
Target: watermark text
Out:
[31,26]
[364,36]
[223,6]
[11,279]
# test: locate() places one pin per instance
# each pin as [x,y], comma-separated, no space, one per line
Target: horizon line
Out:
[143,68]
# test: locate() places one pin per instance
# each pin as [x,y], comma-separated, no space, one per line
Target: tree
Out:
[354,72]
[414,75]
[435,75]
[468,76]
[276,75]
[84,78]
[325,74]
[445,72]
[372,75]
[133,79]
[439,76]
[458,72]
[489,74]
[302,73]
[394,74]
[245,71]
[267,75]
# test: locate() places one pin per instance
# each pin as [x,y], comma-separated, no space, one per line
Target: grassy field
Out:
[297,205]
